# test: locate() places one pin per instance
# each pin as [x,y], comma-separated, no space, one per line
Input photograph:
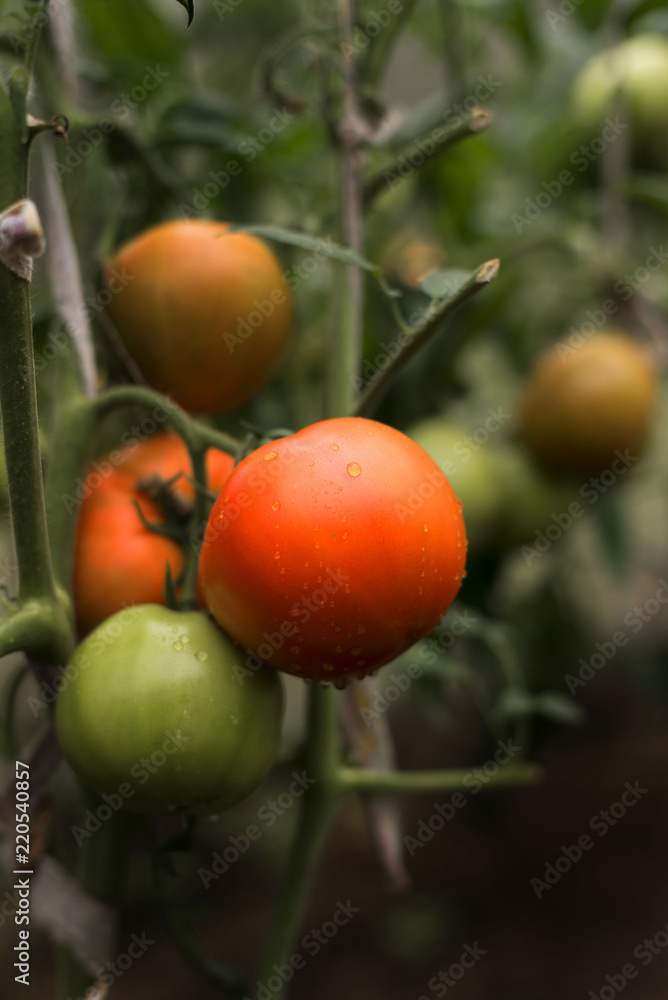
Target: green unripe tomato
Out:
[529,497]
[151,700]
[638,69]
[470,468]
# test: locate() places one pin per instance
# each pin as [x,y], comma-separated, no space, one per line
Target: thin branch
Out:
[433,319]
[424,149]
[370,780]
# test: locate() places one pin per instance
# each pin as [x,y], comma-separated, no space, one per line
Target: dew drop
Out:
[201,655]
[337,628]
[185,639]
[295,666]
[270,455]
[354,469]
[426,528]
[277,555]
[276,505]
[178,646]
[226,499]
[175,629]
[345,534]
[311,464]
[328,666]
[360,663]
[294,650]
[347,588]
[234,720]
[338,649]
[335,446]
[356,651]
[282,570]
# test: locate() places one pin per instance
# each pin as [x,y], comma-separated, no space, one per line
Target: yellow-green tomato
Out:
[470,466]
[153,706]
[636,68]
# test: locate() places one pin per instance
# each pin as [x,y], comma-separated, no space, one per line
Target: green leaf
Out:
[443,284]
[190,7]
[131,33]
[324,245]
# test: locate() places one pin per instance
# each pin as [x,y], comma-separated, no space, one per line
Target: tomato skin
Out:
[206,314]
[638,69]
[330,552]
[581,407]
[118,561]
[151,700]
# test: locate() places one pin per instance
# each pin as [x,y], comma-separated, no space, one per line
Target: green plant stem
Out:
[316,810]
[431,322]
[451,133]
[38,596]
[371,780]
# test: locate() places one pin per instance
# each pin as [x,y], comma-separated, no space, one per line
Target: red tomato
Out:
[118,560]
[330,552]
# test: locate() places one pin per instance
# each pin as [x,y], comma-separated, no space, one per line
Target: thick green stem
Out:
[18,399]
[316,811]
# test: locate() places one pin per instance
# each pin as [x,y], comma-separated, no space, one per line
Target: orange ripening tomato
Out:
[584,404]
[330,552]
[118,560]
[204,312]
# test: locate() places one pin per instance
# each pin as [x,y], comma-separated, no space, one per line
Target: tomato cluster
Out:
[326,555]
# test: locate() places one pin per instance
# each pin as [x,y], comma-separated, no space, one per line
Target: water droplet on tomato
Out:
[426,528]
[270,455]
[277,555]
[234,720]
[356,651]
[201,655]
[335,446]
[347,588]
[178,646]
[338,649]
[276,505]
[354,469]
[328,666]
[294,650]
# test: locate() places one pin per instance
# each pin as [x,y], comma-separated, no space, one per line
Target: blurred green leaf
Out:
[322,244]
[129,31]
[443,284]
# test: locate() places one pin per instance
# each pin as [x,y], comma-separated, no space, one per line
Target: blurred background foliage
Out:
[566,248]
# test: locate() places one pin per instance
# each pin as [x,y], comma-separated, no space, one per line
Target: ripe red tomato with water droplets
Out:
[330,552]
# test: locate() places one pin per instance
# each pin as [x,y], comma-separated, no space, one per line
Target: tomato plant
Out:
[330,552]
[150,705]
[584,404]
[204,312]
[119,560]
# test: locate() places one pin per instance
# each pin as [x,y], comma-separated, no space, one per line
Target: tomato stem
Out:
[316,810]
[430,324]
[373,780]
